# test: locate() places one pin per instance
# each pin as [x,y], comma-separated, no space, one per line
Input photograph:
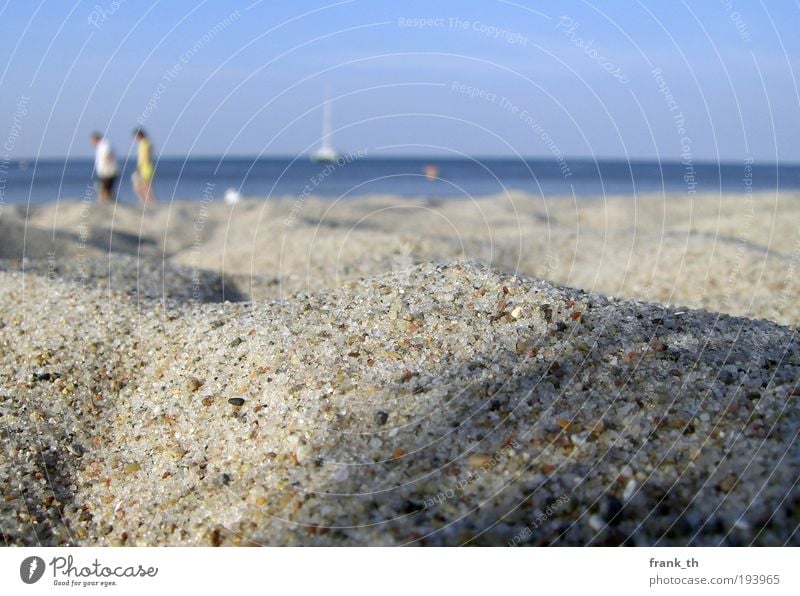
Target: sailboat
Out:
[326,153]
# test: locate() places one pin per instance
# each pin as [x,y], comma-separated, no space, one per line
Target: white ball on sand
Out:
[232,196]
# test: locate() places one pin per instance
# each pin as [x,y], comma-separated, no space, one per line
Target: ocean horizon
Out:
[358,174]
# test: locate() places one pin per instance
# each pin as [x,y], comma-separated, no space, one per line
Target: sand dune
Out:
[732,254]
[281,374]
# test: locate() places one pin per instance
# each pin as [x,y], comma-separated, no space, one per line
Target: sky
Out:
[707,81]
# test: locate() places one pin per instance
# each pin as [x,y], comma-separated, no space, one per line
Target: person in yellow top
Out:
[145,170]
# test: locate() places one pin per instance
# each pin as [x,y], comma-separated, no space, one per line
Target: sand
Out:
[737,254]
[386,371]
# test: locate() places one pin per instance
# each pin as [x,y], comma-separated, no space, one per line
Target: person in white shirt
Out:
[105,167]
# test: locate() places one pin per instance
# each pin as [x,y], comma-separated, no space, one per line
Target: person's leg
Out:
[105,189]
[149,195]
[112,183]
[138,189]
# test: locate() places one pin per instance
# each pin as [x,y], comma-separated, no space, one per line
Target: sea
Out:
[353,175]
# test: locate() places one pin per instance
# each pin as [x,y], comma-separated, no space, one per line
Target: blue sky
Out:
[484,78]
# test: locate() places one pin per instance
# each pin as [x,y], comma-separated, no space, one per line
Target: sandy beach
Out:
[386,371]
[735,254]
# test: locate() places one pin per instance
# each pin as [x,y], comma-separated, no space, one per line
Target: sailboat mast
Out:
[326,122]
[326,152]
